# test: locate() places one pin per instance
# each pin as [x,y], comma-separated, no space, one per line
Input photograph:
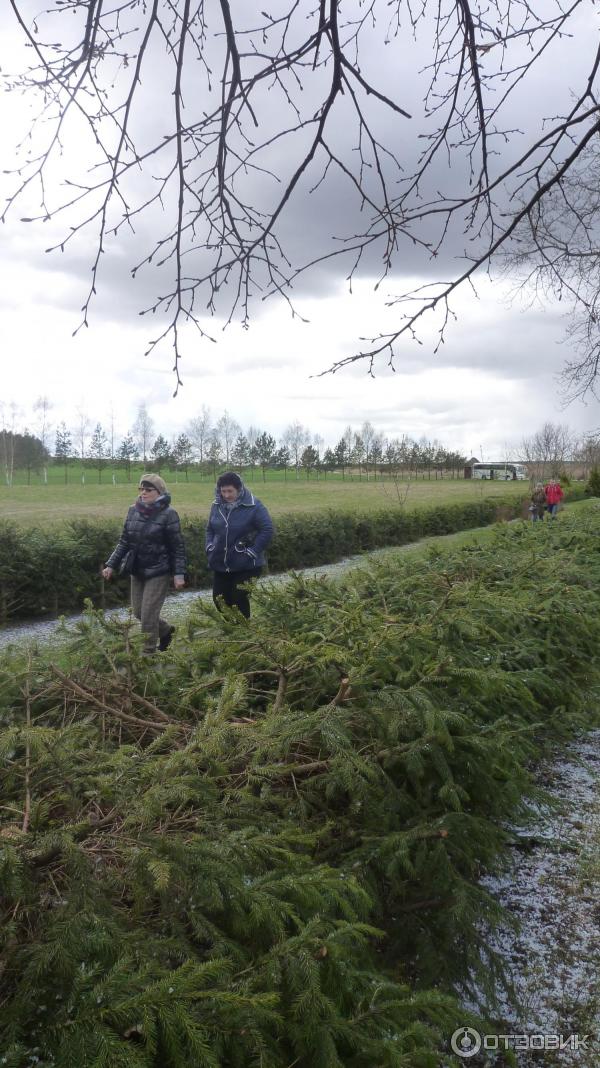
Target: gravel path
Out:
[551,889]
[177,603]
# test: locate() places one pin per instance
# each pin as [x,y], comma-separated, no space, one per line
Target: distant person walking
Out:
[554,495]
[538,502]
[151,549]
[238,531]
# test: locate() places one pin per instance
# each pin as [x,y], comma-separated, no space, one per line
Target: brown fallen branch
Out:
[148,705]
[305,769]
[343,693]
[39,860]
[323,765]
[281,688]
[125,717]
[218,680]
[276,772]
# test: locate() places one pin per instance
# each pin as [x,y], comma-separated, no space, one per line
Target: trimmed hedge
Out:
[51,570]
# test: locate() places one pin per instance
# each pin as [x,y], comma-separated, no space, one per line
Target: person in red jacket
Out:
[554,496]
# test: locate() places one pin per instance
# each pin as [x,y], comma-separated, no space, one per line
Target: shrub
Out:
[267,851]
[56,569]
[592,486]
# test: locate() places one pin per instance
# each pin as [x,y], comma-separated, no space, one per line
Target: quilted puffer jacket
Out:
[236,538]
[156,538]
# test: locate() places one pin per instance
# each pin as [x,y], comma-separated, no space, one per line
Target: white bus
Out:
[500,471]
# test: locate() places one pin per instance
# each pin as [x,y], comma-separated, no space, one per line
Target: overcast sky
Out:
[493,381]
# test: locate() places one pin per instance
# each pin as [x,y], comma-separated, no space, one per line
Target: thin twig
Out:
[107,709]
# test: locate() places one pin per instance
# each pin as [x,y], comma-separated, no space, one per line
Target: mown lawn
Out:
[42,504]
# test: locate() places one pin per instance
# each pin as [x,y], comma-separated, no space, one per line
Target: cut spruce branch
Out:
[77,690]
[239,884]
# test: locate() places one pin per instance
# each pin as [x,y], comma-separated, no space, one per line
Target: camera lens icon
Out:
[466,1042]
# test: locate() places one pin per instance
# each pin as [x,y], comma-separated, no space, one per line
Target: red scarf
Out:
[148,510]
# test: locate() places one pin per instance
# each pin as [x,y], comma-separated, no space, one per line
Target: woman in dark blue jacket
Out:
[239,530]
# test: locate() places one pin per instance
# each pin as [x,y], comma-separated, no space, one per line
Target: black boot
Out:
[166,640]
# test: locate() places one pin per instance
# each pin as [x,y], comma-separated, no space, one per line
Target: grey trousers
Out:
[147,599]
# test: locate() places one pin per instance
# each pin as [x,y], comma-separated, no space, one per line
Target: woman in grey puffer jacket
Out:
[151,549]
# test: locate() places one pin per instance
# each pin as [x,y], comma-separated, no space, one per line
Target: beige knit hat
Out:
[156,481]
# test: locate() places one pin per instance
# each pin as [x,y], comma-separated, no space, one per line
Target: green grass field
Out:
[42,504]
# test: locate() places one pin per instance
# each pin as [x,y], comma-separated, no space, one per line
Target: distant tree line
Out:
[21,452]
[555,450]
[207,445]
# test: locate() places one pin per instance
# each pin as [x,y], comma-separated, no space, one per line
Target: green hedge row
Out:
[54,569]
[264,848]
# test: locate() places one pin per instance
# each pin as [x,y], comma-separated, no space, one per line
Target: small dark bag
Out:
[128,562]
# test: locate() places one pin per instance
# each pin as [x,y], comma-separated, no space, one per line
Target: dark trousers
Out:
[226,584]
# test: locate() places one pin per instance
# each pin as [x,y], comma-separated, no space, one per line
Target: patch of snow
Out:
[552,960]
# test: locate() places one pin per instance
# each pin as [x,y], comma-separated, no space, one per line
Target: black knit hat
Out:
[229,479]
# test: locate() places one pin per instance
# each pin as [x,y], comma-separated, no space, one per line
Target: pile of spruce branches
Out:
[263,848]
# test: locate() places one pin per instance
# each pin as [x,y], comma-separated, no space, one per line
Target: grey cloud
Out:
[305,228]
[513,345]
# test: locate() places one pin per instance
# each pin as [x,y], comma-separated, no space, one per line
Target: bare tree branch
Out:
[253,113]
